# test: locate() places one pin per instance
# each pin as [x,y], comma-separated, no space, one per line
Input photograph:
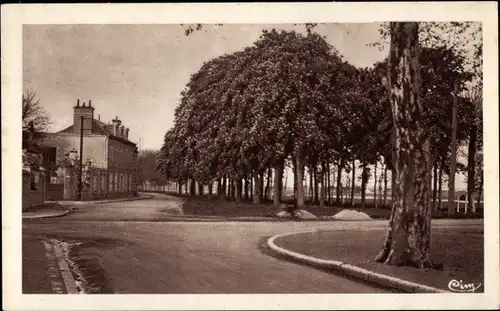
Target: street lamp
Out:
[80,182]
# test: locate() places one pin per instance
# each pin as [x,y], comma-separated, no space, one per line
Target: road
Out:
[139,257]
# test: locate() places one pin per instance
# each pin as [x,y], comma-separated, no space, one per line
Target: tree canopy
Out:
[291,98]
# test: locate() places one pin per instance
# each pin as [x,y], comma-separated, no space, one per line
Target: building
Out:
[109,157]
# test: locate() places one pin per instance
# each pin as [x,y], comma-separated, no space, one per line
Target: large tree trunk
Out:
[328,184]
[192,187]
[251,187]
[278,176]
[393,185]
[294,168]
[408,238]
[385,186]
[480,189]
[180,187]
[200,188]
[246,188]
[380,187]
[299,164]
[375,185]
[353,182]
[224,186]
[286,183]
[321,180]
[268,183]
[261,192]
[339,179]
[435,186]
[316,185]
[210,188]
[257,193]
[233,189]
[440,184]
[239,186]
[471,166]
[364,180]
[453,159]
[311,189]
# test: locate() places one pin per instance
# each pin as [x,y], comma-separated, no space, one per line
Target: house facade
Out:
[109,157]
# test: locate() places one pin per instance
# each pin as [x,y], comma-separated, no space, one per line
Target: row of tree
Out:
[291,100]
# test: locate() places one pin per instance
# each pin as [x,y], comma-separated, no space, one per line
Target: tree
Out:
[244,113]
[475,130]
[34,120]
[408,238]
[464,40]
[33,112]
[146,163]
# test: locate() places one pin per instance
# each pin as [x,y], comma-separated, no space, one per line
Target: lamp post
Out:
[88,171]
[80,181]
[80,170]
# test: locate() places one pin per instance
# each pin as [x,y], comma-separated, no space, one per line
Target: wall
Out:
[121,168]
[32,197]
[55,192]
[94,147]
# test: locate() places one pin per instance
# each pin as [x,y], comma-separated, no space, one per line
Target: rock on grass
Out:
[284,214]
[303,214]
[351,215]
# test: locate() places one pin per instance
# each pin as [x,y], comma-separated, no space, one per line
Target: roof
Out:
[101,128]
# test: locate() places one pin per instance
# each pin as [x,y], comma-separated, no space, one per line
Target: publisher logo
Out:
[461,287]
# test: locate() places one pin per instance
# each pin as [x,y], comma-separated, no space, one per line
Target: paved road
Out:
[202,257]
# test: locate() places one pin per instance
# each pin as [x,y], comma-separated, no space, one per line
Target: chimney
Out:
[116,126]
[87,112]
[126,133]
[122,131]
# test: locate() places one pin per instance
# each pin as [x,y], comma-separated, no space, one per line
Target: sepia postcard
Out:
[250,156]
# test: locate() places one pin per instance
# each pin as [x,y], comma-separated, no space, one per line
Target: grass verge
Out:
[460,250]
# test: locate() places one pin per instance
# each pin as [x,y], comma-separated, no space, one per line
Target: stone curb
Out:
[53,215]
[350,270]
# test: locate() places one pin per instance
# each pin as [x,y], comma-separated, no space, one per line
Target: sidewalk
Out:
[76,203]
[54,209]
[71,205]
[352,252]
[47,210]
[39,275]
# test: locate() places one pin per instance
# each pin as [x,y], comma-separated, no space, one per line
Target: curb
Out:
[54,215]
[350,270]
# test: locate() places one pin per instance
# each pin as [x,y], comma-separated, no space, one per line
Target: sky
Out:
[136,72]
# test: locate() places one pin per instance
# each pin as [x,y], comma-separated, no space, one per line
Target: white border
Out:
[14,16]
